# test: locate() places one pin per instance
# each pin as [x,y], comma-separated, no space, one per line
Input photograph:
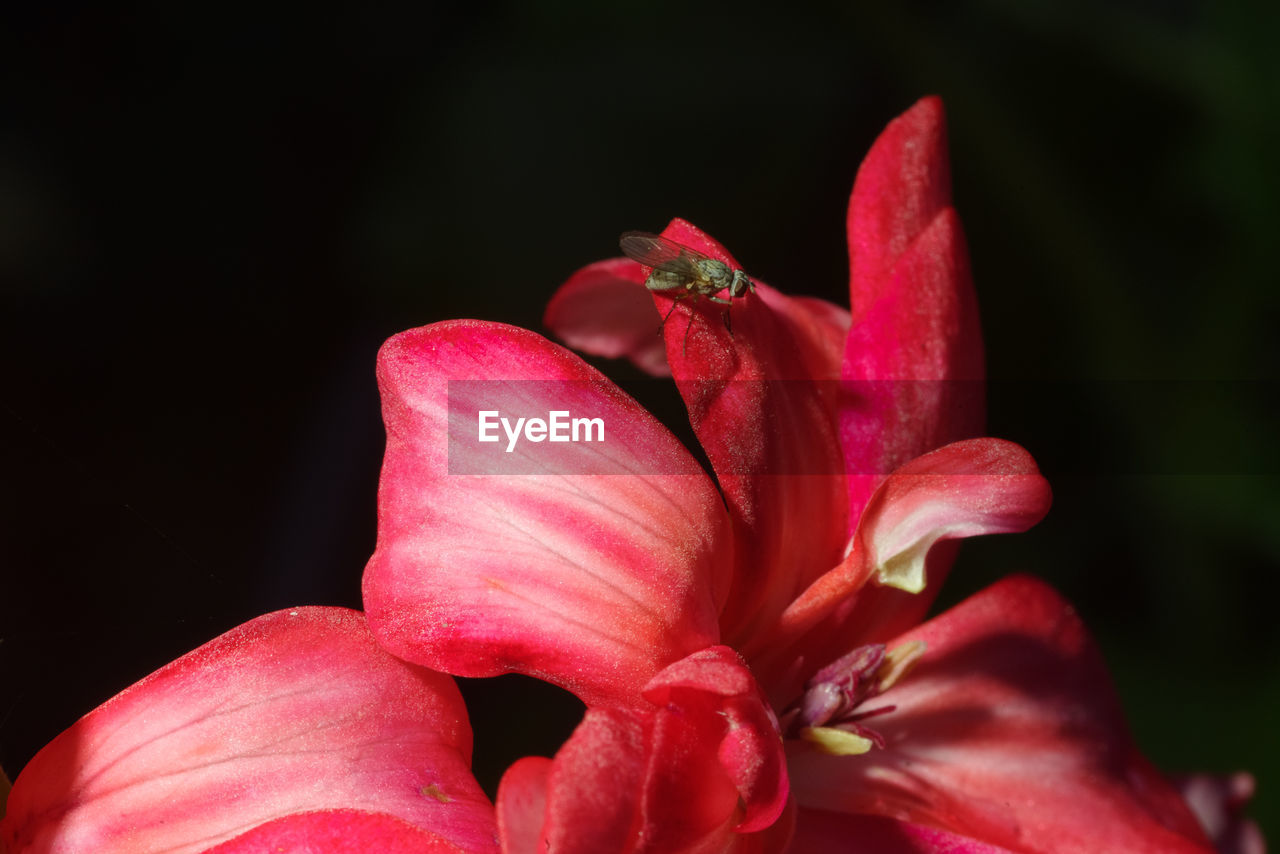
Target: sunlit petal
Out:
[297,711]
[592,581]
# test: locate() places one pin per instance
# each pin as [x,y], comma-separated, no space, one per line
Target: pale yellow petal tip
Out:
[905,571]
[836,742]
[898,662]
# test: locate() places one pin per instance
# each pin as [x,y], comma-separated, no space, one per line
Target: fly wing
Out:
[656,251]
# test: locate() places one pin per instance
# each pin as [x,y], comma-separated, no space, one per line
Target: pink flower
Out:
[293,732]
[752,656]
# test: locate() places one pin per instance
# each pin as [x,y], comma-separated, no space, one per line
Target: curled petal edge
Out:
[605,310]
[965,489]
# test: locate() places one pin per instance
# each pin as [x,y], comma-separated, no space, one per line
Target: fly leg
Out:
[674,302]
[728,323]
[684,345]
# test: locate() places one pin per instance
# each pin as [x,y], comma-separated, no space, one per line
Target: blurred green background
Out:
[211,218]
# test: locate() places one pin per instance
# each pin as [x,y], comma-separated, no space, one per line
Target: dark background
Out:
[210,219]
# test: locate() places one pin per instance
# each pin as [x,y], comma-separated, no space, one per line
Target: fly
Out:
[686,271]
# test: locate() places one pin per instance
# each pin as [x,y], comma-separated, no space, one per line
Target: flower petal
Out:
[1007,731]
[605,310]
[914,354]
[592,581]
[590,803]
[822,832]
[714,688]
[638,781]
[337,832]
[296,711]
[699,768]
[762,400]
[966,489]
[1218,803]
[522,804]
[902,184]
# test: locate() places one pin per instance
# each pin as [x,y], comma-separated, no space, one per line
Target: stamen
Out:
[836,742]
[829,712]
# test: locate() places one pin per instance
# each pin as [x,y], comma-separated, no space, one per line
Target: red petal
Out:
[715,689]
[522,804]
[642,781]
[966,489]
[1007,731]
[590,796]
[699,770]
[902,184]
[762,401]
[337,832]
[605,310]
[822,832]
[592,581]
[1218,803]
[915,349]
[297,711]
